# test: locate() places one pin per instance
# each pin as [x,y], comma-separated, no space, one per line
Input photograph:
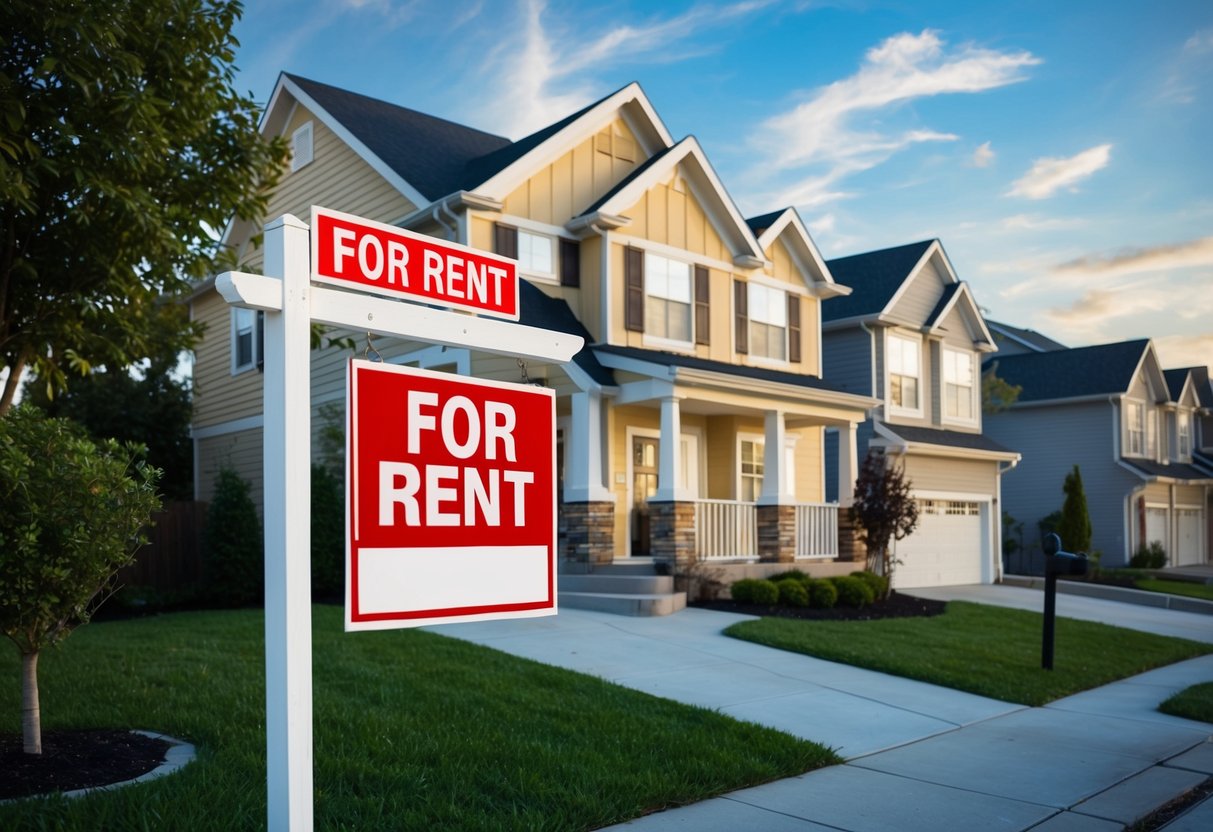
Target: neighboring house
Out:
[911,335]
[1134,432]
[692,424]
[1011,340]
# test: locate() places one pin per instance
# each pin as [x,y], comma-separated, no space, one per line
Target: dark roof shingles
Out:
[947,438]
[1105,369]
[693,362]
[874,277]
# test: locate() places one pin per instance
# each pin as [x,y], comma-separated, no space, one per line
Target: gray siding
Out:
[920,297]
[1052,440]
[847,360]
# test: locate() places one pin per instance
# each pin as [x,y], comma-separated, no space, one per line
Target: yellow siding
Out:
[1189,495]
[668,213]
[575,181]
[809,457]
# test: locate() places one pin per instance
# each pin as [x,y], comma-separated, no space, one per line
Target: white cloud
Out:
[1035,222]
[1185,350]
[839,129]
[982,156]
[1092,313]
[1198,252]
[823,225]
[1050,175]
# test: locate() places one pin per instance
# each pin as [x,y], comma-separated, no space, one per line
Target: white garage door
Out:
[1187,548]
[1156,527]
[947,548]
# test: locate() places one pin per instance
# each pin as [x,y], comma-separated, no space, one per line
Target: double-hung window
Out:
[751,470]
[1152,434]
[1183,436]
[959,399]
[1135,434]
[905,373]
[768,310]
[668,303]
[535,254]
[246,339]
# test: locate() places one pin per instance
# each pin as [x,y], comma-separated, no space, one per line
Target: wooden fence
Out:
[172,558]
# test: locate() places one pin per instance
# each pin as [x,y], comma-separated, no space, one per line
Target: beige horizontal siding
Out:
[241,452]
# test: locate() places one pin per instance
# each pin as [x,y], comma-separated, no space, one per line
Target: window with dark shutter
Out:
[741,326]
[570,262]
[633,278]
[702,292]
[505,240]
[793,327]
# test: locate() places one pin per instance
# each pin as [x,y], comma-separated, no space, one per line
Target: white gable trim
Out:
[790,218]
[931,251]
[973,310]
[1152,375]
[504,182]
[743,243]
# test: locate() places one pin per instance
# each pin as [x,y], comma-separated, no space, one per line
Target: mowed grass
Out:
[1195,702]
[1185,588]
[412,731]
[985,650]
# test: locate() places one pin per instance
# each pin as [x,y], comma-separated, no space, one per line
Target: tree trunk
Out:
[31,715]
[11,384]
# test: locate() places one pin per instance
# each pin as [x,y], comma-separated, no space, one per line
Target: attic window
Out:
[301,147]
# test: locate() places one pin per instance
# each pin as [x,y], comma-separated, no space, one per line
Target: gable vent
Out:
[301,147]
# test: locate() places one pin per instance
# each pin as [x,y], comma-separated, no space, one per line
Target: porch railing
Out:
[728,530]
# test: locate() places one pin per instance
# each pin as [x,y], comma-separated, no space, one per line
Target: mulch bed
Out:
[895,606]
[76,760]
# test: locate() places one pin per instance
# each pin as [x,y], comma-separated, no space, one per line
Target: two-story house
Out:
[692,424]
[911,335]
[1132,430]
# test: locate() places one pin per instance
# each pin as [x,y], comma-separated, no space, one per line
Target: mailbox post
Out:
[1057,563]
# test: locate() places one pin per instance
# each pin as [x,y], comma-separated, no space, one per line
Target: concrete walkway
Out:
[918,756]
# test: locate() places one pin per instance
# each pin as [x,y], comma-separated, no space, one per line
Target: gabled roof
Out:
[874,278]
[1105,369]
[762,223]
[542,310]
[800,245]
[1177,380]
[1204,388]
[1029,338]
[431,154]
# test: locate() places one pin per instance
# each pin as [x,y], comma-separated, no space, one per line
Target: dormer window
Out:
[905,374]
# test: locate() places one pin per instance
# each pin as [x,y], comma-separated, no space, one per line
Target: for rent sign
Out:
[358,253]
[451,496]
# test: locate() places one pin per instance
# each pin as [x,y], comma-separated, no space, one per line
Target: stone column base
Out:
[672,532]
[850,542]
[586,532]
[777,534]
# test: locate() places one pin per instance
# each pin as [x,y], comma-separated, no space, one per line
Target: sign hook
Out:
[370,350]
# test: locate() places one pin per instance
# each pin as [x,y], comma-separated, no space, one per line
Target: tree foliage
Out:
[153,410]
[72,512]
[883,510]
[1074,527]
[996,393]
[232,544]
[123,146]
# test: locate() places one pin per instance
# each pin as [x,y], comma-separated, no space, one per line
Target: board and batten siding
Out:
[1052,440]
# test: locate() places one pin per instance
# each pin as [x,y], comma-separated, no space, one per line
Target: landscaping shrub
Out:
[754,591]
[877,583]
[793,593]
[1149,557]
[232,544]
[822,594]
[791,574]
[853,592]
[328,534]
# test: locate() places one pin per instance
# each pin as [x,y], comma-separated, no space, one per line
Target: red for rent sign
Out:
[362,254]
[452,501]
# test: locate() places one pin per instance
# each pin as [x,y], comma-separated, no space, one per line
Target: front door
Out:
[644,486]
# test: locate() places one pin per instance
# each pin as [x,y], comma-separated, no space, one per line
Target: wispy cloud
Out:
[1185,350]
[1133,310]
[1095,308]
[1035,222]
[1049,175]
[1183,255]
[982,156]
[542,75]
[839,129]
[1189,69]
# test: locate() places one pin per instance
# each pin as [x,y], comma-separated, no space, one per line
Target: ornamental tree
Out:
[123,148]
[1074,528]
[883,510]
[72,513]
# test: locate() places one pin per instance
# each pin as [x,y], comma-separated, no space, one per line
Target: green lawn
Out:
[1195,702]
[1185,588]
[412,731]
[986,650]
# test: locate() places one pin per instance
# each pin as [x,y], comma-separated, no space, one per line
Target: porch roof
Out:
[673,359]
[1148,469]
[951,439]
[546,312]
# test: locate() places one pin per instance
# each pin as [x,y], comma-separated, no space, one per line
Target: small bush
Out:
[793,593]
[877,583]
[822,594]
[754,591]
[853,592]
[1149,557]
[328,534]
[791,574]
[232,544]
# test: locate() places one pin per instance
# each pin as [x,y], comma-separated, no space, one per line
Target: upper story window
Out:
[301,147]
[535,253]
[768,310]
[905,374]
[246,339]
[1135,429]
[1152,433]
[668,301]
[959,390]
[543,256]
[1183,435]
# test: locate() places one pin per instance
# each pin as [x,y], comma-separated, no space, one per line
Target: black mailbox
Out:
[1058,562]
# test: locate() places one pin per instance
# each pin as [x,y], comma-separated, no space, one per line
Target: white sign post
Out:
[291,304]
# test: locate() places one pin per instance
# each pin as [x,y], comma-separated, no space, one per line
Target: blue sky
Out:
[1060,150]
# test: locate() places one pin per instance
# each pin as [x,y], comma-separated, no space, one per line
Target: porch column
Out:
[583,450]
[669,454]
[776,489]
[848,464]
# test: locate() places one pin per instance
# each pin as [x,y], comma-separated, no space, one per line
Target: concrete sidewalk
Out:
[918,756]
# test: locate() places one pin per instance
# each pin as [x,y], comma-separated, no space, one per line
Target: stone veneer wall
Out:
[586,532]
[777,533]
[672,531]
[850,542]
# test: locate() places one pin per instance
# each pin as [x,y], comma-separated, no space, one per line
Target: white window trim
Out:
[757,439]
[239,369]
[662,341]
[789,459]
[1183,454]
[1129,404]
[751,320]
[974,389]
[297,161]
[552,276]
[894,409]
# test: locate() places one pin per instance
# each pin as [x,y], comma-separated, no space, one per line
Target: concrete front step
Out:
[611,582]
[625,603]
